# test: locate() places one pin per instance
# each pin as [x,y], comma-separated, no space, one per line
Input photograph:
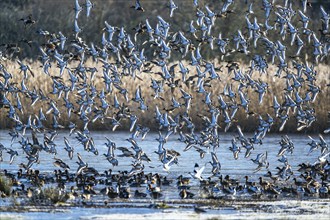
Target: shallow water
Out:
[288,209]
[187,160]
[137,208]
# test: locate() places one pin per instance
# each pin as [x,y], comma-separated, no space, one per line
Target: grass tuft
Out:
[5,186]
[49,196]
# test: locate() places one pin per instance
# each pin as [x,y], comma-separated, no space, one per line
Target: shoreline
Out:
[184,209]
[162,204]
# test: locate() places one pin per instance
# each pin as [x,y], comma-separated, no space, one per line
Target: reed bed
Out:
[276,87]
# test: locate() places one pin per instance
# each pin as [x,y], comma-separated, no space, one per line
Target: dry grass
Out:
[5,186]
[276,86]
[48,196]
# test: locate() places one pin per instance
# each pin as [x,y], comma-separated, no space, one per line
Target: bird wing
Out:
[322,139]
[240,132]
[80,159]
[214,158]
[324,13]
[200,171]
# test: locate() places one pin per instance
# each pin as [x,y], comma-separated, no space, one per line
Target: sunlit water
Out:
[235,168]
[187,160]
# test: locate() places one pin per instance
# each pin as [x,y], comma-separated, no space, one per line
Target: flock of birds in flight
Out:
[122,57]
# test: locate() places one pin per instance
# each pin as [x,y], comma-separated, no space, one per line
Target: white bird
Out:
[167,165]
[197,172]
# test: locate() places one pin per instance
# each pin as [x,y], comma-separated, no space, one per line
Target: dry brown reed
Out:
[276,87]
